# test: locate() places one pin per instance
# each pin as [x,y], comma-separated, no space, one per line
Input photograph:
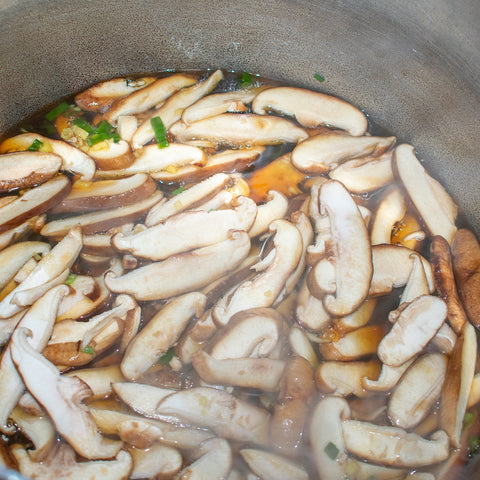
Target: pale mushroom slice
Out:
[99,379]
[323,152]
[387,379]
[27,169]
[112,155]
[61,463]
[244,129]
[394,446]
[436,208]
[187,231]
[160,333]
[311,109]
[458,383]
[326,437]
[184,272]
[344,277]
[101,221]
[217,103]
[417,391]
[301,345]
[171,111]
[366,174]
[270,466]
[474,396]
[146,98]
[415,326]
[61,397]
[74,160]
[187,199]
[7,326]
[310,311]
[274,208]
[33,202]
[264,289]
[226,415]
[99,97]
[157,461]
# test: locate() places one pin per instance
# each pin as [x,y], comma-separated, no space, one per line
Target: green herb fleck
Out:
[35,146]
[331,450]
[245,79]
[160,132]
[58,110]
[178,190]
[319,77]
[468,419]
[89,349]
[166,357]
[37,256]
[80,122]
[474,445]
[70,279]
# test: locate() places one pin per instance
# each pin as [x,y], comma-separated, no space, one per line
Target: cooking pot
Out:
[413,67]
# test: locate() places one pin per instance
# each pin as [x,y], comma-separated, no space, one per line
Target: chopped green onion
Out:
[35,146]
[468,419]
[58,110]
[100,137]
[178,190]
[104,127]
[331,450]
[166,357]
[160,132]
[474,445]
[80,122]
[319,77]
[89,349]
[37,256]
[245,79]
[70,279]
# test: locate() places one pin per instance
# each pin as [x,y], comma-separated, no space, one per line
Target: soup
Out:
[213,275]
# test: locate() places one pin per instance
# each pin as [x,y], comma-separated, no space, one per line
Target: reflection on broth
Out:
[212,275]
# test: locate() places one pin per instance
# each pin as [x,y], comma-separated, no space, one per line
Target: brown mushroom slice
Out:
[269,466]
[311,109]
[213,461]
[392,208]
[301,346]
[240,130]
[95,222]
[14,257]
[212,105]
[157,461]
[415,326]
[326,437]
[187,199]
[226,415]
[73,159]
[345,378]
[264,289]
[259,373]
[7,326]
[365,174]
[147,97]
[164,279]
[275,208]
[388,378]
[437,209]
[392,266]
[350,262]
[474,396]
[27,169]
[354,345]
[359,318]
[417,391]
[230,160]
[22,231]
[61,397]
[394,446]
[99,97]
[110,155]
[323,152]
[310,312]
[171,111]
[188,231]
[458,383]
[99,379]
[33,202]
[160,333]
[61,463]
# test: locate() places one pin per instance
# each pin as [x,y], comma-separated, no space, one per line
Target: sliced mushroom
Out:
[388,378]
[311,109]
[99,379]
[240,130]
[365,174]
[33,202]
[269,466]
[310,312]
[101,221]
[264,289]
[359,318]
[323,152]
[157,461]
[188,231]
[349,265]
[110,155]
[160,333]
[187,199]
[415,326]
[301,346]
[417,391]
[274,208]
[32,225]
[435,206]
[7,326]
[394,446]
[147,97]
[61,397]
[165,279]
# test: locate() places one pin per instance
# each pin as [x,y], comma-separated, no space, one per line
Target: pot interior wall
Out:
[414,67]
